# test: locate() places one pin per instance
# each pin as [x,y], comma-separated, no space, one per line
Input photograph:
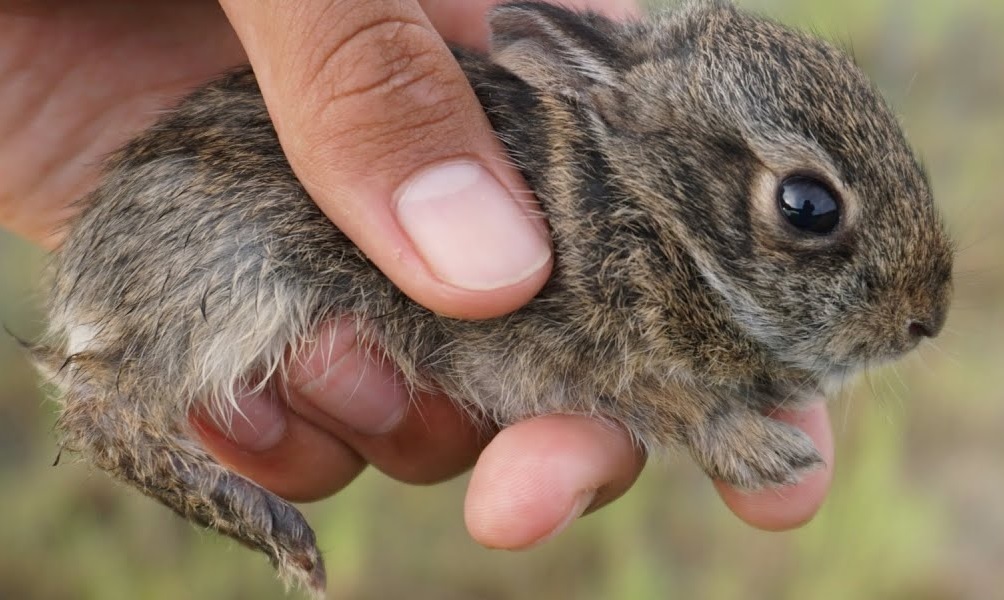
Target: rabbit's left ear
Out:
[547,46]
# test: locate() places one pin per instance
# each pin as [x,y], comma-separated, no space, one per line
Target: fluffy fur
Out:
[682,305]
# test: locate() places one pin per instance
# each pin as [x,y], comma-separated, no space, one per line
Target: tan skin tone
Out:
[82,76]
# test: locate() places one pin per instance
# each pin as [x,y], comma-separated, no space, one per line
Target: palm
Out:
[80,78]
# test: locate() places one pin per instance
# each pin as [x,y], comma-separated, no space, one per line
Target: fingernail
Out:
[347,384]
[259,424]
[582,502]
[469,229]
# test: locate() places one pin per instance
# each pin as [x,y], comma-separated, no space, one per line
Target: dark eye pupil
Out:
[808,205]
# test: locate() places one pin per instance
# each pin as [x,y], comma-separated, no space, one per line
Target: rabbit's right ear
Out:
[546,45]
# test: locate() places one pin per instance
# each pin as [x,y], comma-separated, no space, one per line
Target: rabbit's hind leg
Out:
[153,451]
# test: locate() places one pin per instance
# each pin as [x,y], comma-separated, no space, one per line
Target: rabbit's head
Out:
[770,158]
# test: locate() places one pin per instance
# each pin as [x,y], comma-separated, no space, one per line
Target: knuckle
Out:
[386,56]
[384,88]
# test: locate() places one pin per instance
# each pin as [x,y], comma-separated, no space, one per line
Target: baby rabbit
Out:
[737,219]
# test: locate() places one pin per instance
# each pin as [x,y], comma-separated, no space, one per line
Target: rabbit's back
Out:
[214,261]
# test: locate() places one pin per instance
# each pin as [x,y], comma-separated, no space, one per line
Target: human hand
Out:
[364,96]
[362,99]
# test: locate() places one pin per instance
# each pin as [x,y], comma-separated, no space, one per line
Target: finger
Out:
[538,476]
[280,450]
[793,506]
[361,400]
[340,409]
[463,21]
[384,131]
[434,442]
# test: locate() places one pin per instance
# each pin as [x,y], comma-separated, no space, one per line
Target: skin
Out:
[358,123]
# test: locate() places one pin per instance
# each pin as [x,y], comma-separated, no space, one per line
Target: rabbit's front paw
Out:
[750,451]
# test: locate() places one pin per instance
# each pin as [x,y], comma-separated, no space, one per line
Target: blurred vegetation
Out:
[916,508]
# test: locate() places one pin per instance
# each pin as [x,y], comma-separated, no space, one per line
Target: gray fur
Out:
[681,306]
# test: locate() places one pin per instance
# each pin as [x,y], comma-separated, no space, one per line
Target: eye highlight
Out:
[808,205]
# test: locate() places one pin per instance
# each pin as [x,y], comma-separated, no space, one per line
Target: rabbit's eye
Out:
[808,205]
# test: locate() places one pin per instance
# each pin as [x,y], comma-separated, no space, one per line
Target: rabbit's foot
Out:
[103,420]
[253,516]
[750,451]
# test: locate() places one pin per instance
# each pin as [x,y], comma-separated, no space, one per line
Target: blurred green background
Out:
[917,509]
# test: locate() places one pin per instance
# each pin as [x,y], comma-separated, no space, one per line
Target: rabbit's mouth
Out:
[838,374]
[837,379]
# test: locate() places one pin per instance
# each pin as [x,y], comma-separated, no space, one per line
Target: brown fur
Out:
[682,306]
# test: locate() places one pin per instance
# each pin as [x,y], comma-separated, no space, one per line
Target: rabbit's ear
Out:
[547,45]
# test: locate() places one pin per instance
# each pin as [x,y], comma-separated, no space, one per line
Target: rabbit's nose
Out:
[928,326]
[919,329]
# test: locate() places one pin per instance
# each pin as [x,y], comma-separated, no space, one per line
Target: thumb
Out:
[382,128]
